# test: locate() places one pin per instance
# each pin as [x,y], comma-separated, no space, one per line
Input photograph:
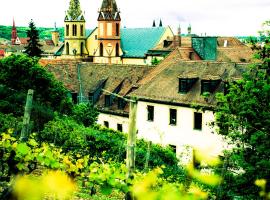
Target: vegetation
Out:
[33,48]
[44,33]
[244,116]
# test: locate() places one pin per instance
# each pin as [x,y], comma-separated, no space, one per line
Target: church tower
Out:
[13,34]
[55,36]
[109,50]
[74,30]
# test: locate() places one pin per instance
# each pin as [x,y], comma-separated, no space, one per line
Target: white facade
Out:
[113,121]
[182,135]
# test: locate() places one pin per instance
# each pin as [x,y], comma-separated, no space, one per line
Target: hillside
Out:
[44,33]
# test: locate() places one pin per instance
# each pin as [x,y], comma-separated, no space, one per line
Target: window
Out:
[74,96]
[67,48]
[185,84]
[67,30]
[150,113]
[121,103]
[108,101]
[226,87]
[81,30]
[109,29]
[117,50]
[173,116]
[106,124]
[81,48]
[209,85]
[101,49]
[120,127]
[117,29]
[197,121]
[191,55]
[95,37]
[74,30]
[91,98]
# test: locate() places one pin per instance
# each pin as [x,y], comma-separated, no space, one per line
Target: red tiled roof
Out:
[2,52]
[24,40]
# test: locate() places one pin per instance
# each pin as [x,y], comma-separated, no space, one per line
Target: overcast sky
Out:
[213,17]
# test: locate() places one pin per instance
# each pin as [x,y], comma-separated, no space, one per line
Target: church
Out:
[108,43]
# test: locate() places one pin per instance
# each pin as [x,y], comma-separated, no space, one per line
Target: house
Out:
[175,100]
[2,53]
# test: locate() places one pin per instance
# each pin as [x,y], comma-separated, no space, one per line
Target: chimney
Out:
[177,38]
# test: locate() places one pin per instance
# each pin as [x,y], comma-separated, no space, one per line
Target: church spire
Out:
[74,11]
[109,11]
[13,33]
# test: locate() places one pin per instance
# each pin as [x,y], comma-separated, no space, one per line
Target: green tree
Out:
[74,9]
[34,47]
[85,113]
[18,73]
[244,118]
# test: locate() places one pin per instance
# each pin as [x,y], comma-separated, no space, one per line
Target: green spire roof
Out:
[74,11]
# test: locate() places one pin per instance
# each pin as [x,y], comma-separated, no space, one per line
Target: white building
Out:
[176,99]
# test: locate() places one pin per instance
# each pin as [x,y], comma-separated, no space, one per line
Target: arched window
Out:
[81,48]
[101,49]
[81,30]
[74,31]
[117,29]
[67,48]
[67,30]
[117,50]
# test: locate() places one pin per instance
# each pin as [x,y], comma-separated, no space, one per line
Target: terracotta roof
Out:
[49,42]
[162,83]
[125,76]
[24,41]
[92,75]
[2,52]
[64,70]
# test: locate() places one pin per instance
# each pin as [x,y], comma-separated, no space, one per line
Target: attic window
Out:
[108,101]
[166,43]
[209,85]
[185,84]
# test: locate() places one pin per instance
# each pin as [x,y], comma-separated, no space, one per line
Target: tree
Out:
[244,118]
[18,73]
[74,9]
[34,47]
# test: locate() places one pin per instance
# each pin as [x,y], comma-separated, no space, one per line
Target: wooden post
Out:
[27,114]
[131,143]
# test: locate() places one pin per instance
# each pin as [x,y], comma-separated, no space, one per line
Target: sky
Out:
[207,17]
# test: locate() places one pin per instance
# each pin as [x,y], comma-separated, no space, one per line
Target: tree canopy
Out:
[244,118]
[34,47]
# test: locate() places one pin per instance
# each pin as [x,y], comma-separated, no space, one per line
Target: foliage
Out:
[50,185]
[44,33]
[8,121]
[18,73]
[74,9]
[109,145]
[155,61]
[33,47]
[85,113]
[244,118]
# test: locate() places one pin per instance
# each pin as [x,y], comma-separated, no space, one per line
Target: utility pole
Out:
[27,114]
[132,131]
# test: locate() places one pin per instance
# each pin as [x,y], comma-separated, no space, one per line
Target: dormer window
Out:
[185,84]
[209,85]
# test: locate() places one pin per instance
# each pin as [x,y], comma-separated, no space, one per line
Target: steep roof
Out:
[135,42]
[126,77]
[165,78]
